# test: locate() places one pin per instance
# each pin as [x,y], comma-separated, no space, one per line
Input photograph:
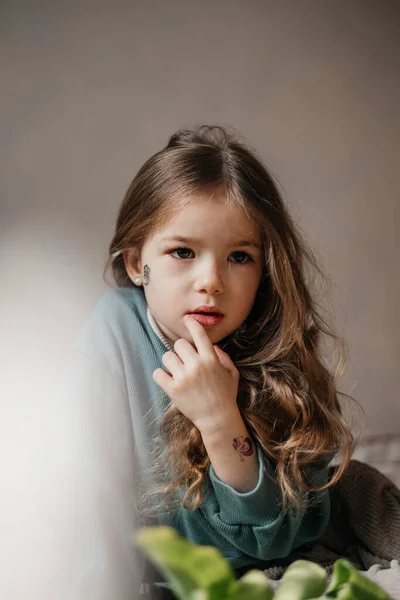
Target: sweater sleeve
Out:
[254,524]
[94,550]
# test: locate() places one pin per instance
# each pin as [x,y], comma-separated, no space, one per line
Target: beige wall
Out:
[90,91]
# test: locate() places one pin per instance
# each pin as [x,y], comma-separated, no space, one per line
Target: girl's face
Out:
[208,255]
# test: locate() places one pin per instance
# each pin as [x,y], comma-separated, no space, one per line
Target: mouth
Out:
[206,310]
[207,316]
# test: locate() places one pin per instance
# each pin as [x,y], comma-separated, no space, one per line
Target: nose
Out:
[209,279]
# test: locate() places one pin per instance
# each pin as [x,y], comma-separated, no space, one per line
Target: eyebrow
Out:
[189,240]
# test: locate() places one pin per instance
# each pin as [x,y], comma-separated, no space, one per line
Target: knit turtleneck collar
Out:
[167,343]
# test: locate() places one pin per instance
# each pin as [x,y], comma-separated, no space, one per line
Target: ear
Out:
[132,263]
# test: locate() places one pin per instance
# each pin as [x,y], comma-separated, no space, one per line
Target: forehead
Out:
[211,218]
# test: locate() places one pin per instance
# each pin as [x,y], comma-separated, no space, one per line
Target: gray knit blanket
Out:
[364,527]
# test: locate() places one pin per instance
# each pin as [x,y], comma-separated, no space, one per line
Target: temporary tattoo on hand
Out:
[146,274]
[244,446]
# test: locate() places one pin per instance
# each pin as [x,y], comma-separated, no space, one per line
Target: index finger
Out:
[199,335]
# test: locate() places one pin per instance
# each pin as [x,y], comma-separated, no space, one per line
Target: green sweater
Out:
[114,410]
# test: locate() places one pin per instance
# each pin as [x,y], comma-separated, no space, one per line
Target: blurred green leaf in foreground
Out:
[202,573]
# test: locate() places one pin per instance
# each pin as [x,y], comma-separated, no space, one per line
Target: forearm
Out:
[234,467]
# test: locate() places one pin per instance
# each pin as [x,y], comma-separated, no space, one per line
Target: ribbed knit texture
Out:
[117,409]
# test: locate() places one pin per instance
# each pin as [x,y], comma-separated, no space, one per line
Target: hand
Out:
[201,381]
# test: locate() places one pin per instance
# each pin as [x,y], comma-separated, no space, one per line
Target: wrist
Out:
[221,427]
[232,452]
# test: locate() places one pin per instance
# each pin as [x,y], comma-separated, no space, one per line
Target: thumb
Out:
[225,360]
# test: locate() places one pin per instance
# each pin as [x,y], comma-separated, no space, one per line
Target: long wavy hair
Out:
[287,352]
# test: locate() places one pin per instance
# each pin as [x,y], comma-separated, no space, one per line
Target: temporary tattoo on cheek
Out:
[244,446]
[146,274]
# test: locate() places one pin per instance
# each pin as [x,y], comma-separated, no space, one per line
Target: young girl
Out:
[212,341]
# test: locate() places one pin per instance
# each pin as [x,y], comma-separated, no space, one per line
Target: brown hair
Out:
[287,394]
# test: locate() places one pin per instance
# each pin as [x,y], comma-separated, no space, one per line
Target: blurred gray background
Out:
[90,89]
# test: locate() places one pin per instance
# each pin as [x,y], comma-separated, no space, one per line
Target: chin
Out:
[215,337]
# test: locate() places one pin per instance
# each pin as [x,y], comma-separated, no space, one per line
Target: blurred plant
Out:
[202,573]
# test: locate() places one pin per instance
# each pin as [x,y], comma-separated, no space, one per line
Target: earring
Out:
[138,281]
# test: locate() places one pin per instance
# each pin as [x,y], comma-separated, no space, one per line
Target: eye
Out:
[241,258]
[183,253]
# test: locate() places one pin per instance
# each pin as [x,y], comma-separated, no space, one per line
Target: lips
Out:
[208,316]
[206,310]
[207,320]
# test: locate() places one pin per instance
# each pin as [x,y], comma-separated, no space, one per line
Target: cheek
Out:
[245,295]
[247,286]
[157,272]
